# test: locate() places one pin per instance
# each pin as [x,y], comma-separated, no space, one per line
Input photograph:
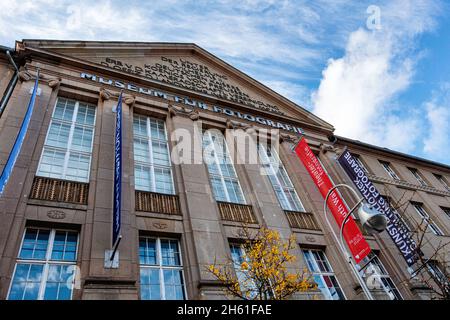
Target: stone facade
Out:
[204,236]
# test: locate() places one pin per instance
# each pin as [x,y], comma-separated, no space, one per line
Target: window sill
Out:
[55,204]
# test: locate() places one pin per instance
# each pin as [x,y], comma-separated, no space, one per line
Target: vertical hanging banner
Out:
[395,227]
[9,166]
[353,237]
[117,214]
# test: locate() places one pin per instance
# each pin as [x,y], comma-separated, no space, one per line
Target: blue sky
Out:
[377,70]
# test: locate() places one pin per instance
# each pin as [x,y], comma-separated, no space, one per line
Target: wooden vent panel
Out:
[236,212]
[157,202]
[302,220]
[50,189]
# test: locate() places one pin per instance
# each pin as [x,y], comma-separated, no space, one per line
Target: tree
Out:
[433,268]
[261,273]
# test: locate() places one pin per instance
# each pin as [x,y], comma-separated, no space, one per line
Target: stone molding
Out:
[178,110]
[52,82]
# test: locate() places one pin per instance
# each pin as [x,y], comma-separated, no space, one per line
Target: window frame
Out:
[442,180]
[151,164]
[160,267]
[418,206]
[320,273]
[418,177]
[446,211]
[358,160]
[47,262]
[67,150]
[290,187]
[243,256]
[376,264]
[221,176]
[387,167]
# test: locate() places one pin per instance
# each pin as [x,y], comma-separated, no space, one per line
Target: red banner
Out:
[352,235]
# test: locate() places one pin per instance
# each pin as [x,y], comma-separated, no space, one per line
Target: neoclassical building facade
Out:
[180,214]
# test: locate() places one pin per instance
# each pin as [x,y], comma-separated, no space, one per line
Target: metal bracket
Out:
[111,264]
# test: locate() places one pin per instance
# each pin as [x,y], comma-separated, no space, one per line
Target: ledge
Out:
[53,204]
[407,185]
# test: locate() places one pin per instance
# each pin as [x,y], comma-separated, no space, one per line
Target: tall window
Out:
[389,170]
[379,282]
[223,177]
[284,189]
[418,177]
[152,168]
[68,145]
[246,283]
[360,163]
[161,269]
[442,180]
[323,274]
[426,217]
[46,265]
[438,274]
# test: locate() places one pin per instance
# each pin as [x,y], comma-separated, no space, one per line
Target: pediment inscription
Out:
[190,75]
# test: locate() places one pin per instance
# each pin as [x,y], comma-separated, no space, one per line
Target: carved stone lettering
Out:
[192,76]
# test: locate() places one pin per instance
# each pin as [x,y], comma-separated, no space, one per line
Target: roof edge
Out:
[390,151]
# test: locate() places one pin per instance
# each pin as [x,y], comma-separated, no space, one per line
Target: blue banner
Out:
[117,216]
[395,227]
[14,154]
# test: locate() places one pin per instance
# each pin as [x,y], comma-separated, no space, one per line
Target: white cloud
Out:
[437,139]
[358,92]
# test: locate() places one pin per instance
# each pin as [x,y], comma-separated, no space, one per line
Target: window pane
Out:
[59,282]
[219,192]
[157,130]
[160,153]
[147,251]
[140,125]
[51,164]
[64,109]
[26,282]
[150,284]
[142,178]
[236,255]
[163,180]
[64,246]
[141,150]
[173,284]
[234,191]
[34,244]
[78,167]
[82,139]
[58,134]
[310,261]
[86,114]
[169,253]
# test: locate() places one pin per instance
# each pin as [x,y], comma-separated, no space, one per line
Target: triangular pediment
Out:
[185,66]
